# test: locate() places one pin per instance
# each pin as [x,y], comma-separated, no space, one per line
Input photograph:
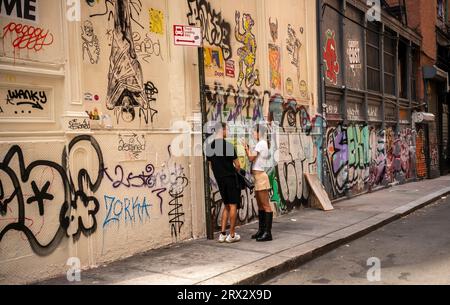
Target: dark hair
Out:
[261,129]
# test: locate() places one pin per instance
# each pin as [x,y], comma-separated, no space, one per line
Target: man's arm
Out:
[237,164]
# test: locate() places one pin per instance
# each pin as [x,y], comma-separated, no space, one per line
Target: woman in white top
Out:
[260,159]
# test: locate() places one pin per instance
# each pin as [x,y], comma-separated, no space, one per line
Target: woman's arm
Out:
[250,156]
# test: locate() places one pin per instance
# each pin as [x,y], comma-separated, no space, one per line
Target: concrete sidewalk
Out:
[298,236]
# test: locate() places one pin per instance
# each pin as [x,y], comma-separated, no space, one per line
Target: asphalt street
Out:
[412,250]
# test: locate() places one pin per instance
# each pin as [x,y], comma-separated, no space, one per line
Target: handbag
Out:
[245,182]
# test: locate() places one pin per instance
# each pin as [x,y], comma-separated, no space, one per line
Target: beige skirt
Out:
[262,182]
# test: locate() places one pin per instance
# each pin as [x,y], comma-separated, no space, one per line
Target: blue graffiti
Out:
[128,210]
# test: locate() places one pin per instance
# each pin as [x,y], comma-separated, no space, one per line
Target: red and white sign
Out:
[229,68]
[184,35]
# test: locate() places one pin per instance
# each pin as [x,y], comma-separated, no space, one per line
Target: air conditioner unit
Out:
[423,117]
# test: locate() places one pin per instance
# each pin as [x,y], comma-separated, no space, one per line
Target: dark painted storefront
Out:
[370,78]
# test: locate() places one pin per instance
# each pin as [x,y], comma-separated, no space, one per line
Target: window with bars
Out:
[373,57]
[389,63]
[414,72]
[402,76]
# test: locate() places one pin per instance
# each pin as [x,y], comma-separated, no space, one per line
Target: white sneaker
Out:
[234,239]
[222,238]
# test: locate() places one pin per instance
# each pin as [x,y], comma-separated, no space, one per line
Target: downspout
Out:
[321,90]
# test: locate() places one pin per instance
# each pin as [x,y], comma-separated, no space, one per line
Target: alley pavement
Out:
[299,236]
[411,251]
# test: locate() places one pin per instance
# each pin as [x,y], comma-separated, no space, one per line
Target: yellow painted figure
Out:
[246,53]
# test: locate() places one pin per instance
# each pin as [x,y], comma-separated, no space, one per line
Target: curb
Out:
[275,264]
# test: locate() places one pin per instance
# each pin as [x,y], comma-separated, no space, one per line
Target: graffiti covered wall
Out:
[104,184]
[257,68]
[361,158]
[124,48]
[87,167]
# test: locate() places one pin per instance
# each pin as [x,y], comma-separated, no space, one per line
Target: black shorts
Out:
[229,190]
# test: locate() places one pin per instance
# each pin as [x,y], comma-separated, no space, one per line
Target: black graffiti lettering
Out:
[132,143]
[10,5]
[33,98]
[216,31]
[75,124]
[69,204]
[40,196]
[176,214]
[146,48]
[5,201]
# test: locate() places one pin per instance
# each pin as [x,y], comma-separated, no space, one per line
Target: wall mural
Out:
[360,158]
[247,52]
[129,97]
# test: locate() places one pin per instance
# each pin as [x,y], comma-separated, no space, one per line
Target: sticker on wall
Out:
[230,68]
[214,63]
[303,86]
[89,97]
[354,57]
[289,86]
[275,66]
[156,21]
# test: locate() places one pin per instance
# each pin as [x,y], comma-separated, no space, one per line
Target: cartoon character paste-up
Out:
[246,53]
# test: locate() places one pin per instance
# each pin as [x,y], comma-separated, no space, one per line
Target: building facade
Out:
[101,115]
[97,102]
[369,68]
[431,20]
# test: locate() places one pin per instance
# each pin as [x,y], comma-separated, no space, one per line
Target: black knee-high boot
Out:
[262,219]
[267,235]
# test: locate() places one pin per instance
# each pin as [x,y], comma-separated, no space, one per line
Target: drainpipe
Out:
[383,104]
[342,70]
[321,89]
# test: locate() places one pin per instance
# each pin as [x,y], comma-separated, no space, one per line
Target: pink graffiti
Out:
[28,37]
